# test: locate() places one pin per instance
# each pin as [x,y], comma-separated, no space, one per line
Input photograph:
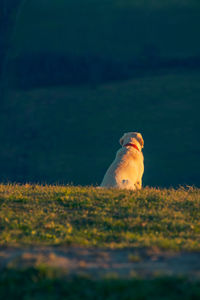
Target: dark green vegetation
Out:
[56,215]
[71,134]
[123,66]
[78,75]
[44,283]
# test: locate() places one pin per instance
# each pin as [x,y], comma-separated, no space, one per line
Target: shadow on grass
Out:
[47,69]
[46,283]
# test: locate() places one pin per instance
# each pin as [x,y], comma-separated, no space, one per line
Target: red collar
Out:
[132,145]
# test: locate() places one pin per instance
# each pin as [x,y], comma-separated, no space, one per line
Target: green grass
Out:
[57,134]
[87,216]
[44,283]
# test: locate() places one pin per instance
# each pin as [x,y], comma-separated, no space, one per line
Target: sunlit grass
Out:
[89,216]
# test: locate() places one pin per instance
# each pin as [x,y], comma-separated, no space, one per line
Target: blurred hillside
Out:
[81,73]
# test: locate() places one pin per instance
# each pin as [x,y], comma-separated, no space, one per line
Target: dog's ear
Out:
[121,140]
[140,139]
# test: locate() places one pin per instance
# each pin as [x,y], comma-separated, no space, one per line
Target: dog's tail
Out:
[126,184]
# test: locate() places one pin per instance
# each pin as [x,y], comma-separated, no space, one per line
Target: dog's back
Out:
[127,169]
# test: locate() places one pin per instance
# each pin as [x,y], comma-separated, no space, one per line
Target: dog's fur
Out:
[128,167]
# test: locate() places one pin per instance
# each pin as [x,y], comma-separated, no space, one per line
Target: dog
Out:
[127,169]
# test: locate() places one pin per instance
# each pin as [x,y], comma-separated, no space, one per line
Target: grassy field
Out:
[87,216]
[80,74]
[70,134]
[43,283]
[91,217]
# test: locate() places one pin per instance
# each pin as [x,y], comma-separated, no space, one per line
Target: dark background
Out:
[76,75]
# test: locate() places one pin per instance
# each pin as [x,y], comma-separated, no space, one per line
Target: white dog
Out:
[128,167]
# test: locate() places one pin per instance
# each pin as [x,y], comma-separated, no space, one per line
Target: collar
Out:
[132,145]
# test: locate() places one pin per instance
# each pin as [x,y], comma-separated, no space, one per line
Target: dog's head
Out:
[132,137]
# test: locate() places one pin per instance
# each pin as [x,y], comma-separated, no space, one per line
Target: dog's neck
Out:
[132,145]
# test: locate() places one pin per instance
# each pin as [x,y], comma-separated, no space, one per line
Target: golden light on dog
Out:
[127,169]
